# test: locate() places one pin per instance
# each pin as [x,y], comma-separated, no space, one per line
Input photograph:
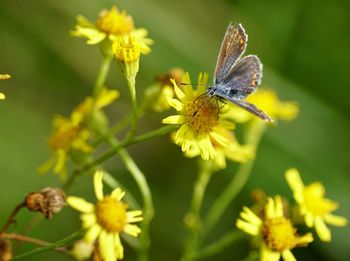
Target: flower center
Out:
[111,214]
[63,139]
[114,22]
[279,234]
[315,201]
[126,50]
[202,114]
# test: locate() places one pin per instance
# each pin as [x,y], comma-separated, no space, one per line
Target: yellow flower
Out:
[313,206]
[66,136]
[267,100]
[72,134]
[111,25]
[276,232]
[107,219]
[200,117]
[4,77]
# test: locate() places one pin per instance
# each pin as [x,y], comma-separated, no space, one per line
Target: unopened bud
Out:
[48,201]
[82,250]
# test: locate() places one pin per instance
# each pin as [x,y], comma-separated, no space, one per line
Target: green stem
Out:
[132,89]
[57,244]
[220,244]
[142,184]
[253,137]
[107,155]
[193,219]
[102,74]
[147,201]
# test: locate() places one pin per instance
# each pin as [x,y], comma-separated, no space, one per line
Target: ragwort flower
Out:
[200,117]
[277,234]
[3,77]
[110,25]
[72,134]
[267,100]
[107,219]
[313,206]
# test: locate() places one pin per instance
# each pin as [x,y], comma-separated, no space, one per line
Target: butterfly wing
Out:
[242,79]
[232,47]
[251,108]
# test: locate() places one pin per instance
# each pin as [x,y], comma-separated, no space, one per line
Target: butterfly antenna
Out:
[193,84]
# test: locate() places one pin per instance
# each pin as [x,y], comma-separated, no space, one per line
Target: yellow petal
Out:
[98,185]
[322,230]
[288,256]
[132,230]
[188,89]
[106,246]
[174,119]
[182,134]
[80,204]
[335,220]
[176,104]
[61,157]
[294,181]
[88,220]
[222,140]
[119,249]
[179,93]
[269,255]
[5,76]
[134,216]
[206,147]
[92,233]
[250,216]
[270,209]
[118,194]
[2,96]
[249,228]
[106,97]
[92,35]
[287,111]
[309,220]
[278,207]
[305,239]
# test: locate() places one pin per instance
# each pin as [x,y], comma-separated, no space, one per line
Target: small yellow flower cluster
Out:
[71,135]
[275,230]
[105,221]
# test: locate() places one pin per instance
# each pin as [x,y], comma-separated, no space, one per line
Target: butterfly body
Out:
[235,78]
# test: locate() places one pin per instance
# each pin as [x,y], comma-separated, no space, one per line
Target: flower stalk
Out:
[102,74]
[253,137]
[193,219]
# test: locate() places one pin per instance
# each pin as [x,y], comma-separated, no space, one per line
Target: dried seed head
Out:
[48,201]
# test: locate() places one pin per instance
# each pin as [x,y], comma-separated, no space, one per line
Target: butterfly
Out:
[235,78]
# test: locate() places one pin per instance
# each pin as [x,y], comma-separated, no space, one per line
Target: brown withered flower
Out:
[48,201]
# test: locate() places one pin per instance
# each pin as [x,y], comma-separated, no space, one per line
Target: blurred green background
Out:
[304,46]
